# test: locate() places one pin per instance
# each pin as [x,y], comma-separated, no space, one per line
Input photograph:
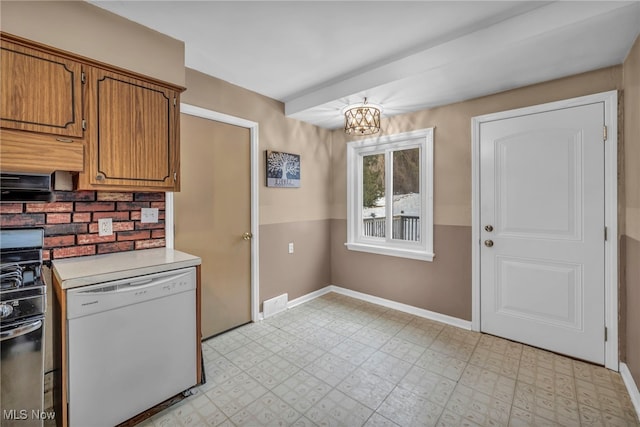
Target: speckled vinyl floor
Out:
[339,361]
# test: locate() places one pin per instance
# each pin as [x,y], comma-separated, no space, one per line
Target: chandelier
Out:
[362,119]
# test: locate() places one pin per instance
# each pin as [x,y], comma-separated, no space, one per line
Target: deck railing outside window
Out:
[404,227]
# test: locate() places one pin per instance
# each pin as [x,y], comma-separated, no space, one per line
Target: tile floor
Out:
[339,361]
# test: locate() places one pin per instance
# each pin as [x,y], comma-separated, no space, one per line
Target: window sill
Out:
[397,252]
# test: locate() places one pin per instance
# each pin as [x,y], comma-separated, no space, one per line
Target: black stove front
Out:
[22,308]
[22,291]
[20,268]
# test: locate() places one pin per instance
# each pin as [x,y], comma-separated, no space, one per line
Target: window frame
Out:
[356,150]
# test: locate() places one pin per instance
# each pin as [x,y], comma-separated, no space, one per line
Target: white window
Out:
[390,195]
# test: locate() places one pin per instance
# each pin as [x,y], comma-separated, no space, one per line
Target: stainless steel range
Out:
[22,308]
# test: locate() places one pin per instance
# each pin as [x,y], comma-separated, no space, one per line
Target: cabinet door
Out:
[40,92]
[133,133]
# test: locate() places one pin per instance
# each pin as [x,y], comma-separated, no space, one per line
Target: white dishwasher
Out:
[131,345]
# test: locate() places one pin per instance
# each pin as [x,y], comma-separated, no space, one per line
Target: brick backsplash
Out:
[71,222]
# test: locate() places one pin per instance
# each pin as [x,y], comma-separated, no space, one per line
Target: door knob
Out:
[488,228]
[247,236]
[488,243]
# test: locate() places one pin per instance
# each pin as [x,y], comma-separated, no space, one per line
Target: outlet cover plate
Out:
[149,215]
[105,227]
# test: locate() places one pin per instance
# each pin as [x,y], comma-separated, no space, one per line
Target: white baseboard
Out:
[631,385]
[309,297]
[420,312]
[301,300]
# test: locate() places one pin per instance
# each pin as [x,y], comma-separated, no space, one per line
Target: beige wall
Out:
[87,30]
[444,285]
[306,270]
[631,70]
[630,244]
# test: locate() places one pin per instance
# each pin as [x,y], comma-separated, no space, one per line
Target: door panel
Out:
[542,190]
[552,206]
[212,212]
[521,284]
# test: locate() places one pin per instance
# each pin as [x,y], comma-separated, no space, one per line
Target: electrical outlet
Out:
[291,247]
[105,227]
[148,215]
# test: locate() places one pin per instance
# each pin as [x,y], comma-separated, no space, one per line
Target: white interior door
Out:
[542,213]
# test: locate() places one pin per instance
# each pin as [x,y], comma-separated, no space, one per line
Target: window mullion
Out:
[359,193]
[388,183]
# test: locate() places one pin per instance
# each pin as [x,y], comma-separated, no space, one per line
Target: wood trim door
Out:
[255,186]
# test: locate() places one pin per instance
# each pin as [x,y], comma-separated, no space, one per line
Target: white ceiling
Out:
[319,56]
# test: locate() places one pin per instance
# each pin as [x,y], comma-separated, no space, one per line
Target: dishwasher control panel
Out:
[110,295]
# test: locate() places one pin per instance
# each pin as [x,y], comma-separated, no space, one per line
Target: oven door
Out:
[22,372]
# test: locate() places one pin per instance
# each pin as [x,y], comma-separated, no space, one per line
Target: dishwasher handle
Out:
[135,284]
[132,284]
[136,289]
[121,287]
[20,330]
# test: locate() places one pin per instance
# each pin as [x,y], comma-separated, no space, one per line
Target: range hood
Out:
[25,187]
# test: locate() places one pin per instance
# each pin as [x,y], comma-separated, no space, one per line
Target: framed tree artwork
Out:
[283,169]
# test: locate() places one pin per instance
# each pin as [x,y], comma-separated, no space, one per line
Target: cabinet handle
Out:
[99,177]
[64,139]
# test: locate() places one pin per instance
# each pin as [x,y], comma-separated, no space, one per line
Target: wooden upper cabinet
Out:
[132,134]
[40,92]
[61,111]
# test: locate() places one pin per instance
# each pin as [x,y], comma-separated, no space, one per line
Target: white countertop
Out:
[89,270]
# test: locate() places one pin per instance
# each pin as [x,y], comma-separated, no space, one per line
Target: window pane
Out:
[406,194]
[373,215]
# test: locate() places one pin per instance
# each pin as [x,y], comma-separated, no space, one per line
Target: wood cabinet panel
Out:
[40,92]
[40,153]
[56,106]
[133,126]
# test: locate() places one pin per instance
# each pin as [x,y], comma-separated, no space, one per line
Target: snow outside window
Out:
[390,195]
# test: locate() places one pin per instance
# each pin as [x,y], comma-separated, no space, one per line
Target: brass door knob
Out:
[488,243]
[247,236]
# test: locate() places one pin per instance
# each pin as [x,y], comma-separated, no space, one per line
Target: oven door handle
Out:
[20,330]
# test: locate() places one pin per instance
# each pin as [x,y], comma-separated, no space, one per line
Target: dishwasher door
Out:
[131,345]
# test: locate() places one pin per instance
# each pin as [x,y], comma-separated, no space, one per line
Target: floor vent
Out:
[275,305]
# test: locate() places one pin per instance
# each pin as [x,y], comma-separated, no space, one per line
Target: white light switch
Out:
[291,247]
[105,227]
[148,215]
